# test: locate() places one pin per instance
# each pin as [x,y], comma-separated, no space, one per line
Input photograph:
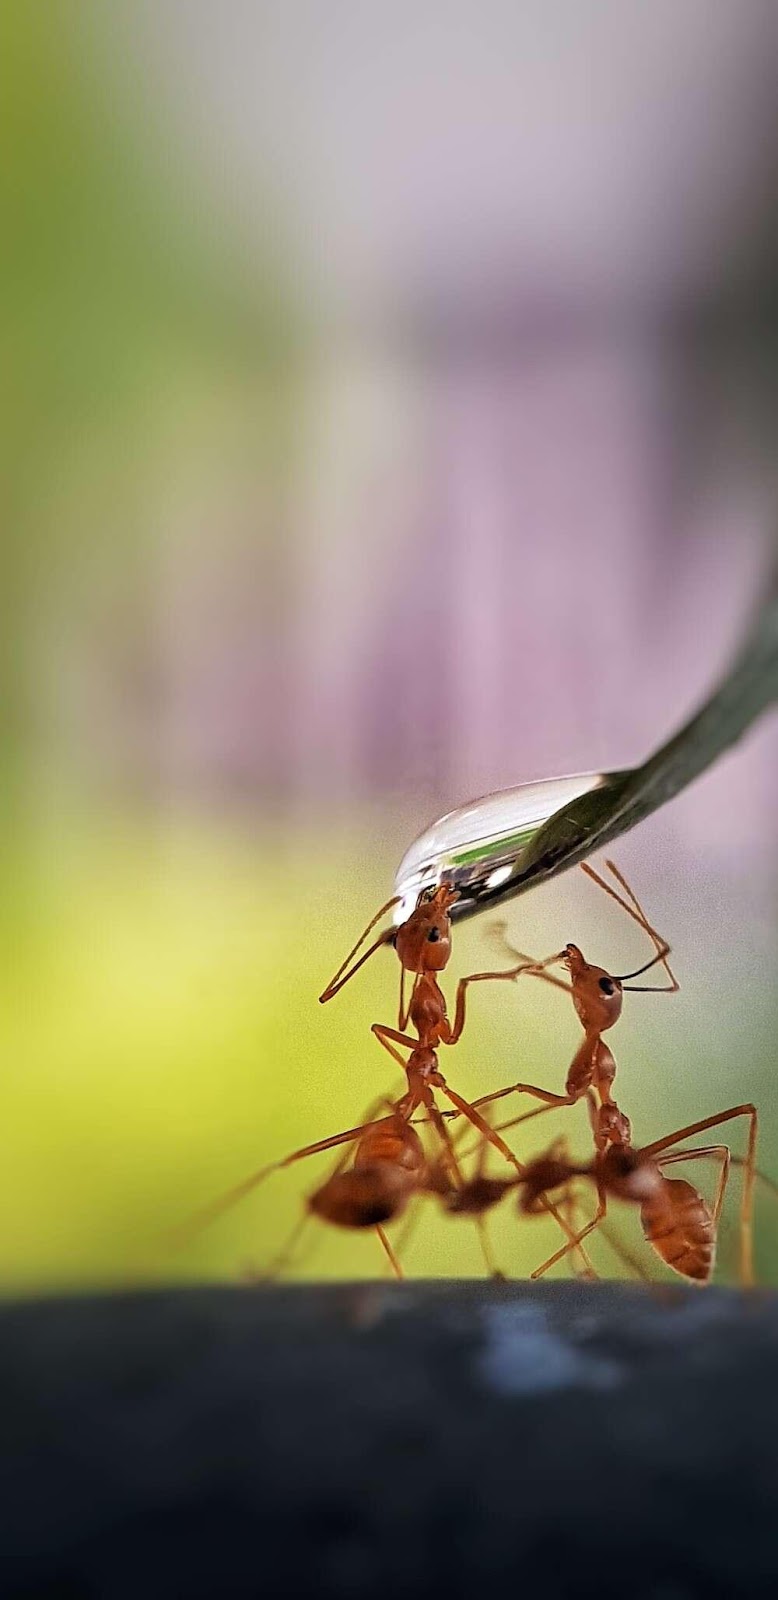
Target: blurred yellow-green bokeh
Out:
[334,494]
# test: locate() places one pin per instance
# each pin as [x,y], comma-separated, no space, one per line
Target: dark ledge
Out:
[367,1440]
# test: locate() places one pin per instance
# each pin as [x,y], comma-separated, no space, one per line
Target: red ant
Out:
[423,945]
[388,1166]
[598,999]
[677,1221]
[375,1188]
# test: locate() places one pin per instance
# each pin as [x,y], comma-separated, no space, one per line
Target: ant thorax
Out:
[428,1005]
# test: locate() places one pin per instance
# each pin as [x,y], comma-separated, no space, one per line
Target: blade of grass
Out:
[594,819]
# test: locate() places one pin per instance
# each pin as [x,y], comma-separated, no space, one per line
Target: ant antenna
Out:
[338,981]
[635,910]
[623,977]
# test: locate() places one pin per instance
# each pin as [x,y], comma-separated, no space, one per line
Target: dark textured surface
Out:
[391,1440]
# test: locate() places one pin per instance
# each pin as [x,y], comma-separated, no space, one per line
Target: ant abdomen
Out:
[392,1142]
[679,1226]
[364,1197]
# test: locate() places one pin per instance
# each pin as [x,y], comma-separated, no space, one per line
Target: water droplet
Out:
[479,848]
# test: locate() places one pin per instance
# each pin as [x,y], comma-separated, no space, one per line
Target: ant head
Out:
[423,941]
[629,1175]
[597,995]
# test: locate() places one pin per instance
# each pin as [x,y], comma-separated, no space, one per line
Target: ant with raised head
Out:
[598,998]
[423,946]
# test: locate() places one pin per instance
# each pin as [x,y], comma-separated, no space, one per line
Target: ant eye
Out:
[607,985]
[433,935]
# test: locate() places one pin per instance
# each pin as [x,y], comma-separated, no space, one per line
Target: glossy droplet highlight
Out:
[479,848]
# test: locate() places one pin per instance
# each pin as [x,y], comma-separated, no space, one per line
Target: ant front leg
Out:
[579,1080]
[384,1034]
[535,969]
[451,1033]
[550,1100]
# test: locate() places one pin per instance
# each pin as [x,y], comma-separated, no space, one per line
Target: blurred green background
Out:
[345,479]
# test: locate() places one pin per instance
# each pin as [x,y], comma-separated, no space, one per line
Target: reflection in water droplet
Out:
[479,848]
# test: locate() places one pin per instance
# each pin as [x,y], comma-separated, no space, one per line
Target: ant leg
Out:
[529,1116]
[486,1250]
[569,1206]
[394,1262]
[723,1156]
[284,1256]
[761,1177]
[471,1112]
[536,969]
[638,915]
[550,1099]
[514,1122]
[481,1222]
[384,1034]
[409,1226]
[339,979]
[439,1124]
[749,1166]
[573,1243]
[453,1032]
[403,1015]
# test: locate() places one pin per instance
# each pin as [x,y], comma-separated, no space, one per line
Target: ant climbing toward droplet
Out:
[423,946]
[598,998]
